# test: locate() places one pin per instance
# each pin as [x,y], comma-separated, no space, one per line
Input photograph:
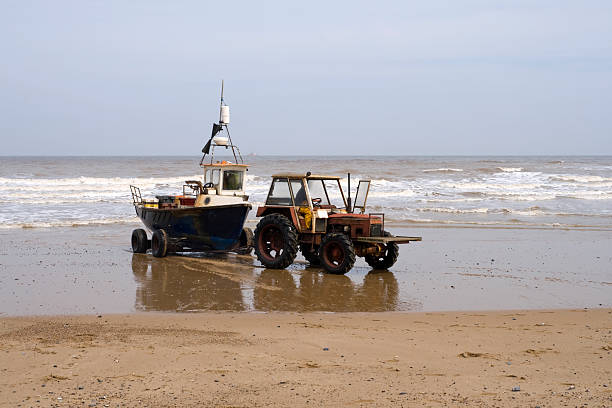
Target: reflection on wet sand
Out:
[324,292]
[220,283]
[164,285]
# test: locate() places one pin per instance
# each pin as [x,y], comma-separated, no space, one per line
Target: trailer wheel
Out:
[336,253]
[245,244]
[387,259]
[140,243]
[276,242]
[311,256]
[159,243]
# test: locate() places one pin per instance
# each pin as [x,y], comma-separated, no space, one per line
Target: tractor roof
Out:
[306,176]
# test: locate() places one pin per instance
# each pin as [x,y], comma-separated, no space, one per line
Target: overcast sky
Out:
[317,77]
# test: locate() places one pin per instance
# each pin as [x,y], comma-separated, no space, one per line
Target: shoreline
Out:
[138,313]
[476,358]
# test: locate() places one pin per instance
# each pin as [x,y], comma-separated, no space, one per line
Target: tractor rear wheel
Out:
[337,253]
[387,258]
[140,244]
[312,256]
[276,241]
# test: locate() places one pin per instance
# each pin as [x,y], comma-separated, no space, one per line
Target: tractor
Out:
[310,213]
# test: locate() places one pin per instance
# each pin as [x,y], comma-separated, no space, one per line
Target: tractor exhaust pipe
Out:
[349,203]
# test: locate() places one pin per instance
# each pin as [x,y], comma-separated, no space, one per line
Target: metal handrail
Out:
[136,195]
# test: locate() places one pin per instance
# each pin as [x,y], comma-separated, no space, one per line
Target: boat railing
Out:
[195,186]
[136,195]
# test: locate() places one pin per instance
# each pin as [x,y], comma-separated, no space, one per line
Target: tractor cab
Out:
[315,202]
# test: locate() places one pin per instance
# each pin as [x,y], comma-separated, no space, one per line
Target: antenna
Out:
[224,120]
[221,105]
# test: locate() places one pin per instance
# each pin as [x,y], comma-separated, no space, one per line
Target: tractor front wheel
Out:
[276,241]
[337,253]
[387,258]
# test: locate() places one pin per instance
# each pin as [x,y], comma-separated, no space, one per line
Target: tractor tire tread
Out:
[349,249]
[245,242]
[290,237]
[140,243]
[159,243]
[388,260]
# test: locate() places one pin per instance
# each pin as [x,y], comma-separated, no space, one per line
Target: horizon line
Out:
[311,155]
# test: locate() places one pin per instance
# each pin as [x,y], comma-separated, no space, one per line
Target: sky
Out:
[473,77]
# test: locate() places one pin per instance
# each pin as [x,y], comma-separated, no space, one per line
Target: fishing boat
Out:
[208,215]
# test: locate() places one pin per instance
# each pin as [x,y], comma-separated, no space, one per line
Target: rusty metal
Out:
[365,232]
[386,240]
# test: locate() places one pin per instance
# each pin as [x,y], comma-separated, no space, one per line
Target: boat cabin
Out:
[223,178]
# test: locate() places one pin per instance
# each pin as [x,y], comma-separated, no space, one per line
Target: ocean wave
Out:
[505,223]
[510,169]
[484,187]
[387,194]
[70,223]
[454,210]
[77,183]
[442,170]
[582,179]
[531,211]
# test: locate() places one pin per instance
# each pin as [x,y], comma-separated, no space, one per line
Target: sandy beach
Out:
[82,324]
[555,357]
[462,319]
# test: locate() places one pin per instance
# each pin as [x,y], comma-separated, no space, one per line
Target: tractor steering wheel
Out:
[208,185]
[316,202]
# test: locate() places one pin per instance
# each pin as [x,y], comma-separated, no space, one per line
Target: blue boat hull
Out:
[198,228]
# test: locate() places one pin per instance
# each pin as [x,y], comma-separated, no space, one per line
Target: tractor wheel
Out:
[387,258]
[245,244]
[140,243]
[159,243]
[336,253]
[311,256]
[276,241]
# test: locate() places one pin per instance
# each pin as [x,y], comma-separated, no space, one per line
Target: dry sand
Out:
[557,358]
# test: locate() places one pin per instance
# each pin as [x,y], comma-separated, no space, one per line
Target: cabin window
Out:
[215,176]
[299,193]
[317,190]
[334,193]
[279,193]
[362,194]
[232,179]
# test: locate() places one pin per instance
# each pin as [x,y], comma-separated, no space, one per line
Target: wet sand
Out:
[90,270]
[299,345]
[556,358]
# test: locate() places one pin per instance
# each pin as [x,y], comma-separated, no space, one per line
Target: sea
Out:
[524,192]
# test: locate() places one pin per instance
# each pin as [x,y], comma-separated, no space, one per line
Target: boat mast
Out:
[209,148]
[222,123]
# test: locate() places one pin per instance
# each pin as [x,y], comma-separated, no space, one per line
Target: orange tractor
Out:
[310,213]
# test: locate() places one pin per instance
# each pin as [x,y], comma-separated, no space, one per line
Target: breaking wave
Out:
[442,170]
[436,189]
